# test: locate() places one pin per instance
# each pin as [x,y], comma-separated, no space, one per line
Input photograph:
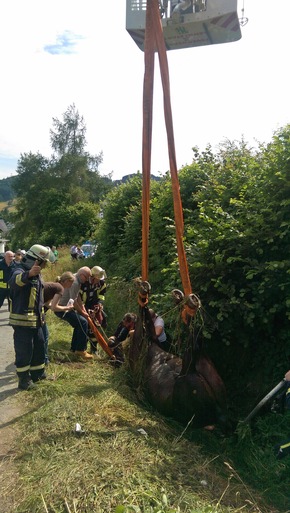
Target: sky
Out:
[55,53]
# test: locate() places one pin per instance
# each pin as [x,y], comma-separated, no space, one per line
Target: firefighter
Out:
[27,316]
[7,266]
[93,296]
[93,291]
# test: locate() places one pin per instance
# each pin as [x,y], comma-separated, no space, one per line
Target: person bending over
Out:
[124,330]
[75,317]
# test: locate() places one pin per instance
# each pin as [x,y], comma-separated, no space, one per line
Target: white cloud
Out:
[55,53]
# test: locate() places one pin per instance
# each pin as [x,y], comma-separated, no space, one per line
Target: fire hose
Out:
[278,388]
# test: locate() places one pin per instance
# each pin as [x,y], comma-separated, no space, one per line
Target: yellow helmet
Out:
[98,272]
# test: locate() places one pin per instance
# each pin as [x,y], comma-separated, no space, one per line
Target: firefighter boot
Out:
[83,355]
[38,375]
[24,381]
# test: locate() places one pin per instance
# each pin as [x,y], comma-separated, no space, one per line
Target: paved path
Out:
[8,379]
[11,409]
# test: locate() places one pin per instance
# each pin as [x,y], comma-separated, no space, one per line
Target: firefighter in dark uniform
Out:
[27,316]
[93,296]
[93,291]
[7,266]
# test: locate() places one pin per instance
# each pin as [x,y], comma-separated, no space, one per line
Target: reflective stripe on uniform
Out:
[99,292]
[288,398]
[23,369]
[32,298]
[37,367]
[29,320]
[3,285]
[285,446]
[18,280]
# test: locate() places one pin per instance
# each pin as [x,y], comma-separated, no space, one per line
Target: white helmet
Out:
[98,272]
[41,253]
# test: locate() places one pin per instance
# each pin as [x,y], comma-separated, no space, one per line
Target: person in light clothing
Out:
[75,317]
[159,330]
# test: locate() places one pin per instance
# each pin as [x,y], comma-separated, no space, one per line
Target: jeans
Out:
[80,332]
[46,335]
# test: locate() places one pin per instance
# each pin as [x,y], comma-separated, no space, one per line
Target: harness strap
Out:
[154,41]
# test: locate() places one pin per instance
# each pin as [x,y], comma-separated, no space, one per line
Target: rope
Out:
[154,41]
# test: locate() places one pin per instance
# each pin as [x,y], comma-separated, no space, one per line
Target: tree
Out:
[6,189]
[68,135]
[119,236]
[69,224]
[31,180]
[69,138]
[69,180]
[237,237]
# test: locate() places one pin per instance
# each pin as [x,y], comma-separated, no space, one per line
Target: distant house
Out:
[3,233]
[3,227]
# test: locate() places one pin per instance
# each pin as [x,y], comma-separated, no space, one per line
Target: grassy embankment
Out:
[10,205]
[129,458]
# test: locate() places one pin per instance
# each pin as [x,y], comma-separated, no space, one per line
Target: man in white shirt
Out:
[159,330]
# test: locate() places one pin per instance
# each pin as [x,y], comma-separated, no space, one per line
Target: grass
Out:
[128,458]
[10,205]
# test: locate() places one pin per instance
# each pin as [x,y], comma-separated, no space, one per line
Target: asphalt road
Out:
[8,378]
[12,408]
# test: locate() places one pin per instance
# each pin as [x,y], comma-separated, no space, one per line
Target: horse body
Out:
[189,389]
[199,395]
[161,373]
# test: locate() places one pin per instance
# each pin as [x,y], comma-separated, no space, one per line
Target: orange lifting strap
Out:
[154,41]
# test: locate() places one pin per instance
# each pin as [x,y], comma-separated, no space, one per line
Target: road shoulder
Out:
[12,408]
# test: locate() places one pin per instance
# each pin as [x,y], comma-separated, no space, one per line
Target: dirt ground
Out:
[12,407]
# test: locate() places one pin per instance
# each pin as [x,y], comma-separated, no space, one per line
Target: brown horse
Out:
[189,389]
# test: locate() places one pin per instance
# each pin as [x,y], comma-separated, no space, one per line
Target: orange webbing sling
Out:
[154,41]
[99,337]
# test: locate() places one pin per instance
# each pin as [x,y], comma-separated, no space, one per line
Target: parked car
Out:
[88,249]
